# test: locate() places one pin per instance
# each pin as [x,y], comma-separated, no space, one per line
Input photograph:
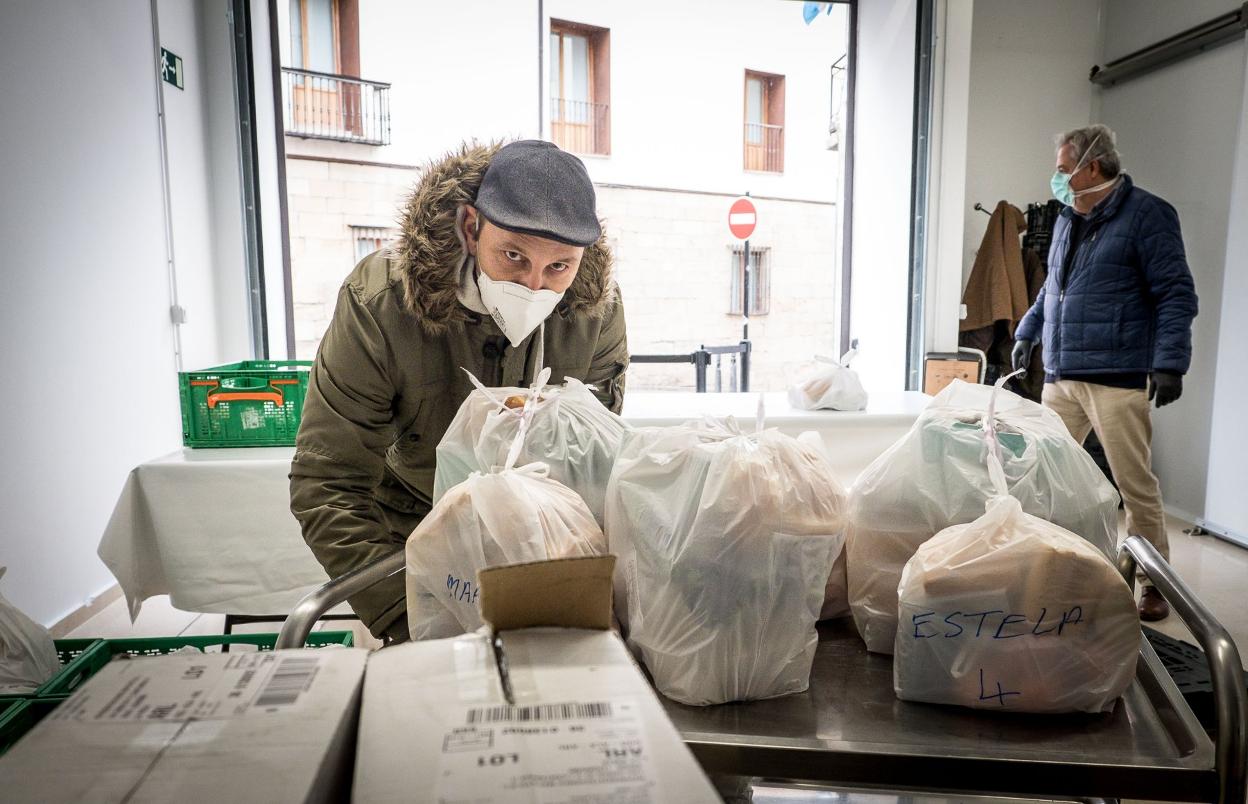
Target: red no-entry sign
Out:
[741,218]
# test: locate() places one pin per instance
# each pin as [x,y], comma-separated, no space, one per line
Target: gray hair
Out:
[1103,143]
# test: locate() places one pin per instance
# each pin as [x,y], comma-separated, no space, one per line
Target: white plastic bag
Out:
[934,477]
[835,387]
[506,517]
[27,653]
[1014,613]
[570,431]
[725,544]
[836,591]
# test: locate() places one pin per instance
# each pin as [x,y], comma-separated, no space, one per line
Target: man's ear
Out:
[470,224]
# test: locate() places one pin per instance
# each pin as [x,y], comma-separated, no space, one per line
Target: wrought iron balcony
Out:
[580,126]
[764,147]
[336,107]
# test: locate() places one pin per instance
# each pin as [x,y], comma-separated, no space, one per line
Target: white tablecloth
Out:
[212,528]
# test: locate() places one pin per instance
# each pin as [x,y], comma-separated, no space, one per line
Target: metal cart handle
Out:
[1230,703]
[299,623]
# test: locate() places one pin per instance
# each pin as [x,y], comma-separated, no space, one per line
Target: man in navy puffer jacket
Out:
[1115,319]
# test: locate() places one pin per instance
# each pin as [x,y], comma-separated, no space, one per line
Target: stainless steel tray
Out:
[849,728]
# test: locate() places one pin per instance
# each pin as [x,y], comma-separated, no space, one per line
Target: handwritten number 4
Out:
[1000,694]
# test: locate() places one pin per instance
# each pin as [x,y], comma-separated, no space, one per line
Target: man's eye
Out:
[558,267]
[514,256]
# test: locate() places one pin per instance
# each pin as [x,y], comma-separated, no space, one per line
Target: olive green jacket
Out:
[387,380]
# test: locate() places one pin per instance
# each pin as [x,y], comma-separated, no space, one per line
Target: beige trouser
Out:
[1120,417]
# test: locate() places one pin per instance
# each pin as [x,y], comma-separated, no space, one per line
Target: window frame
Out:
[334,26]
[764,157]
[598,87]
[760,301]
[379,237]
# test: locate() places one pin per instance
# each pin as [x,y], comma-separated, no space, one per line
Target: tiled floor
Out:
[1217,571]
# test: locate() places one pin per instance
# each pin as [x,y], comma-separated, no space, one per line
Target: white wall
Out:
[87,371]
[88,374]
[1226,505]
[1177,130]
[201,121]
[1029,81]
[946,203]
[221,150]
[884,125]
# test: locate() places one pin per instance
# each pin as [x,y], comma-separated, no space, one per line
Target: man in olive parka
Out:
[500,268]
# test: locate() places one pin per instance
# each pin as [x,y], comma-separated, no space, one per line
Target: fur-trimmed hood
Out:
[429,251]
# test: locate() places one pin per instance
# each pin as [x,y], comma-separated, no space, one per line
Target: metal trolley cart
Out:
[849,729]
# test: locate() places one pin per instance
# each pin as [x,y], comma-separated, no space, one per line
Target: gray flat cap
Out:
[533,188]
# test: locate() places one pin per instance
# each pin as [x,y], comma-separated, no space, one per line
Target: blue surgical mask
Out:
[1060,183]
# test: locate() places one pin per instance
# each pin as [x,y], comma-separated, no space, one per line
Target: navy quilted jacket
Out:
[1127,305]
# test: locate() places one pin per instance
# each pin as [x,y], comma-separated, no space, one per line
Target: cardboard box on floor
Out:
[585,724]
[253,726]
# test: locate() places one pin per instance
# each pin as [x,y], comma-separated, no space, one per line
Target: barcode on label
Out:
[538,712]
[288,682]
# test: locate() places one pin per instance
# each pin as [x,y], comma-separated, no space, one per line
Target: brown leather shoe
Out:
[1153,606]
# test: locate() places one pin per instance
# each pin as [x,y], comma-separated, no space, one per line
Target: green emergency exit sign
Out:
[171,68]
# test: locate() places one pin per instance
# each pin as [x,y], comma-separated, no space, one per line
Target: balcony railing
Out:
[580,126]
[764,147]
[336,107]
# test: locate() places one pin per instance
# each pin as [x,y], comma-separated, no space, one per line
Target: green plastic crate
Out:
[66,650]
[20,717]
[93,660]
[69,649]
[255,403]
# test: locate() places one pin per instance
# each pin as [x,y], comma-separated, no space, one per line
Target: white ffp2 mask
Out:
[516,309]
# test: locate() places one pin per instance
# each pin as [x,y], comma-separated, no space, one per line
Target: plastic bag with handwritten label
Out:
[726,542]
[935,476]
[507,517]
[571,432]
[1013,613]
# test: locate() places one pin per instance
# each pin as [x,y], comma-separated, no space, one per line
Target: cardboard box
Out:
[940,369]
[189,727]
[585,724]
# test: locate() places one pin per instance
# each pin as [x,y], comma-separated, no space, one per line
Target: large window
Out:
[670,134]
[764,122]
[580,88]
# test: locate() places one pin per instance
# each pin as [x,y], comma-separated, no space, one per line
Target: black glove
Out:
[1165,387]
[1021,356]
